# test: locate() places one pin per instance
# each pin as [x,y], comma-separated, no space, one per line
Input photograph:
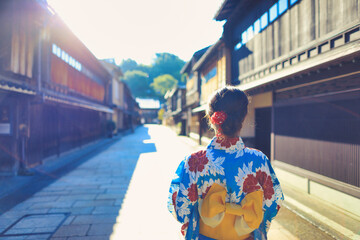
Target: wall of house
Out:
[20,33]
[75,80]
[263,100]
[218,80]
[294,28]
[319,134]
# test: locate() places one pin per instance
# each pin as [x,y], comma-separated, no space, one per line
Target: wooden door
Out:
[263,130]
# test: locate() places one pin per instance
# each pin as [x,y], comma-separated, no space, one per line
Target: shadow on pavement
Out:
[20,188]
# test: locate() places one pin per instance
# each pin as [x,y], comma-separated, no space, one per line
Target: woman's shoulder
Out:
[196,160]
[255,153]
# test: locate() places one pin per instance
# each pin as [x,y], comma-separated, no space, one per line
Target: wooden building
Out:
[149,109]
[207,71]
[299,61]
[54,93]
[213,69]
[176,113]
[123,103]
[193,91]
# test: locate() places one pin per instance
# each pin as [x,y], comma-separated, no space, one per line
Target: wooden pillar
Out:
[58,132]
[272,136]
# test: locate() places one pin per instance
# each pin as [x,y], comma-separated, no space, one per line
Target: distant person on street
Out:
[227,191]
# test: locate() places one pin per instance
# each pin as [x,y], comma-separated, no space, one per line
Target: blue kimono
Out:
[228,163]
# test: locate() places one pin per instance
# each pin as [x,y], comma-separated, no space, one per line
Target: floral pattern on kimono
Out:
[227,162]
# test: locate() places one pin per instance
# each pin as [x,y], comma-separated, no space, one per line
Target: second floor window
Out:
[209,75]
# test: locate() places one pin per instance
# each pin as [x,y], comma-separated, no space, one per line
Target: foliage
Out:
[153,81]
[144,68]
[166,63]
[164,83]
[178,128]
[161,114]
[139,84]
[128,65]
[183,78]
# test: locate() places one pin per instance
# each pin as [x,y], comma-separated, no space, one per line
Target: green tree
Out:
[183,78]
[128,65]
[163,83]
[144,68]
[139,84]
[166,63]
[161,114]
[163,64]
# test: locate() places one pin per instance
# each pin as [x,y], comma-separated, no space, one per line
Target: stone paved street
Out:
[120,193]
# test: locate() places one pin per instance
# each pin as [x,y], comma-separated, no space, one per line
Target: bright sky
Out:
[138,29]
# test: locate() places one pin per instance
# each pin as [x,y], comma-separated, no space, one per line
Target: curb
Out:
[325,224]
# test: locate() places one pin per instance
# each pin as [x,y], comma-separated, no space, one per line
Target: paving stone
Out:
[100,229]
[20,213]
[93,191]
[95,219]
[64,204]
[53,188]
[103,181]
[42,199]
[106,237]
[74,210]
[38,237]
[44,229]
[74,196]
[111,196]
[7,221]
[23,206]
[94,203]
[19,231]
[72,230]
[119,202]
[106,209]
[110,186]
[82,187]
[52,193]
[13,237]
[30,223]
[68,220]
[116,191]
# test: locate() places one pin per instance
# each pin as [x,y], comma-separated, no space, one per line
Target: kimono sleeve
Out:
[273,197]
[278,193]
[183,200]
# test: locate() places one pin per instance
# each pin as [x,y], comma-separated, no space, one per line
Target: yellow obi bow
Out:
[222,220]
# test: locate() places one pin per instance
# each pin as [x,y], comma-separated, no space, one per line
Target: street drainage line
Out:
[342,230]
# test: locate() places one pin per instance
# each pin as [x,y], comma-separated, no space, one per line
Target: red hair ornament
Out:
[218,118]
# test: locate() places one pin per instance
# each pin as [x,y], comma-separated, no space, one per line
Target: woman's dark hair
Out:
[234,103]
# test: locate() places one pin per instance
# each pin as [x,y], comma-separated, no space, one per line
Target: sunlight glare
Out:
[138,30]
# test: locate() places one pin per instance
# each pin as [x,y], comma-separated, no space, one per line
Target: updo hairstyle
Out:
[234,103]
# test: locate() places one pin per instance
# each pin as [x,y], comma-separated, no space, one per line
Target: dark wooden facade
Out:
[193,93]
[54,94]
[175,109]
[305,56]
[126,112]
[214,71]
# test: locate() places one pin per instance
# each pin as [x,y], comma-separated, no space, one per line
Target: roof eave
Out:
[206,55]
